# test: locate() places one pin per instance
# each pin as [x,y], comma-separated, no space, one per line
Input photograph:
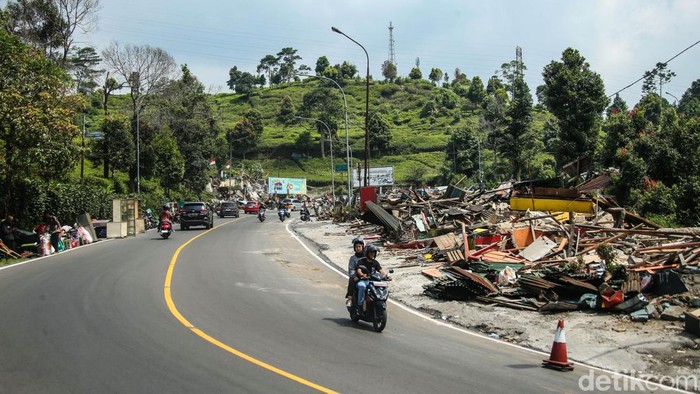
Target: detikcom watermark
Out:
[623,381]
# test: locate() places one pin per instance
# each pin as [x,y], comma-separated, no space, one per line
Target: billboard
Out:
[286,185]
[378,176]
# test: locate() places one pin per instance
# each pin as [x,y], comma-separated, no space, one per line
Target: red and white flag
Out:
[212,162]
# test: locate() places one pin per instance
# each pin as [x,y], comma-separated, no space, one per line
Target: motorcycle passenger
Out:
[165,216]
[358,246]
[366,267]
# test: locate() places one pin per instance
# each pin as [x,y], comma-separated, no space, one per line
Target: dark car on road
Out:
[228,208]
[196,214]
[251,207]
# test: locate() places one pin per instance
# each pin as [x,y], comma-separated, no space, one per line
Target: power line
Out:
[666,62]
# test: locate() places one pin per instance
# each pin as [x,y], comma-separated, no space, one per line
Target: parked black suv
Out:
[228,208]
[196,214]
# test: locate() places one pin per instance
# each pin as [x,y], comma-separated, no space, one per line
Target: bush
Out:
[388,90]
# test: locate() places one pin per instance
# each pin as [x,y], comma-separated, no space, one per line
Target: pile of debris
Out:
[536,247]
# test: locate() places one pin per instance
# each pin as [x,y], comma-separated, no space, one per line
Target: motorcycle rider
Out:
[367,266]
[165,216]
[358,246]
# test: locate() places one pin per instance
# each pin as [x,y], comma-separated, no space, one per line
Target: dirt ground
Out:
[611,341]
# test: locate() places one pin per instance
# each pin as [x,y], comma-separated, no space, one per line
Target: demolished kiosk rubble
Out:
[533,247]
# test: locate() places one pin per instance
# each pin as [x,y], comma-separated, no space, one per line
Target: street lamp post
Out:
[676,98]
[330,137]
[366,178]
[347,135]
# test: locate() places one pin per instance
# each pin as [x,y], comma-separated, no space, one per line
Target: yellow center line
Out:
[174,311]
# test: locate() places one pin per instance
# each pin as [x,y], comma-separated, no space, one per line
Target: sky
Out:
[621,39]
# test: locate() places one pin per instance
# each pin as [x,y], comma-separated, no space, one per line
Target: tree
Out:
[36,118]
[660,74]
[476,93]
[303,141]
[619,135]
[415,74]
[689,105]
[347,70]
[379,133]
[170,163]
[461,153]
[619,106]
[145,70]
[321,65]
[460,78]
[518,136]
[286,112]
[288,57]
[241,81]
[494,84]
[50,25]
[117,145]
[511,71]
[37,23]
[389,71]
[268,65]
[83,65]
[244,135]
[435,75]
[576,96]
[322,103]
[187,112]
[77,14]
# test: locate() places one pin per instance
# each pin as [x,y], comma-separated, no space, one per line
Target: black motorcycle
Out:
[282,213]
[305,216]
[376,297]
[261,215]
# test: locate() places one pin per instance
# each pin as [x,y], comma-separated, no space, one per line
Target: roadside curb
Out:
[57,254]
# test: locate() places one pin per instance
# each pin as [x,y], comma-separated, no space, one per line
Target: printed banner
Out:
[378,176]
[286,185]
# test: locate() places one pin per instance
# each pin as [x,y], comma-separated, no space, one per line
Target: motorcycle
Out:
[376,297]
[305,216]
[149,220]
[261,215]
[282,213]
[166,228]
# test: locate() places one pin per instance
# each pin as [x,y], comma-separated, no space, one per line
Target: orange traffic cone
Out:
[559,359]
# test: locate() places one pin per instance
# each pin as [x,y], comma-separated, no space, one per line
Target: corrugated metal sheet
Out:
[390,221]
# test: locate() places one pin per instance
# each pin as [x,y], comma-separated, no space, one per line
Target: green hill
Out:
[418,144]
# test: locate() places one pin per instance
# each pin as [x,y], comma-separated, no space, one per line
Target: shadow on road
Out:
[523,366]
[346,322]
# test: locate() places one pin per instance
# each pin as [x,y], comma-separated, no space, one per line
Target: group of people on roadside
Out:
[362,266]
[49,228]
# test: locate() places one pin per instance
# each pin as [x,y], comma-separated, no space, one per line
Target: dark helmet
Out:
[371,248]
[166,207]
[358,240]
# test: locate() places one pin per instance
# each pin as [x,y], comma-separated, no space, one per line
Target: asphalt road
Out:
[245,308]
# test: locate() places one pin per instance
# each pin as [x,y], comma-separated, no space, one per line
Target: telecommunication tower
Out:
[519,61]
[392,54]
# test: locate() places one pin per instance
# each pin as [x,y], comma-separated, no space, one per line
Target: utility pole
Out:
[82,150]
